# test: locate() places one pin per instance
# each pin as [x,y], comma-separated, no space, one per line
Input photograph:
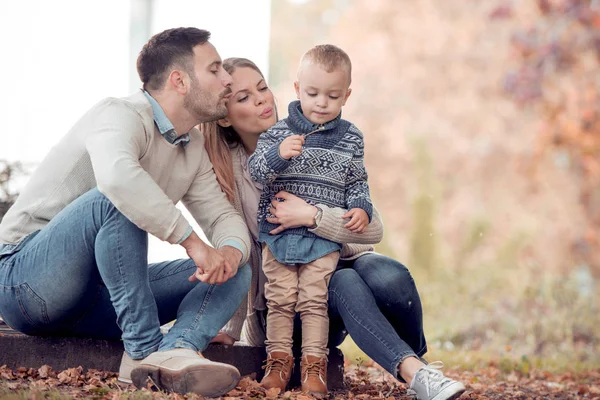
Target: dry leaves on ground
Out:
[362,383]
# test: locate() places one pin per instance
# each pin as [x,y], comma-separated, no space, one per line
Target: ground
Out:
[363,382]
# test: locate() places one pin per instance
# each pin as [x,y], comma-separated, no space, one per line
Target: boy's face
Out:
[322,94]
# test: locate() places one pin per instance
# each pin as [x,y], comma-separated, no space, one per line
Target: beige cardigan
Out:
[248,317]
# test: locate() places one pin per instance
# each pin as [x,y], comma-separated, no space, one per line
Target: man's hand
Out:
[358,220]
[212,266]
[233,257]
[291,146]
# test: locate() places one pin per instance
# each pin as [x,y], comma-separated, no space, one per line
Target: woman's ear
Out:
[224,122]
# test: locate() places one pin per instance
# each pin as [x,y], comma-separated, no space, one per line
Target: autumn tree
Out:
[556,73]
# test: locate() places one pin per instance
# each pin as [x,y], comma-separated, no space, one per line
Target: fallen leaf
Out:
[272,393]
[46,371]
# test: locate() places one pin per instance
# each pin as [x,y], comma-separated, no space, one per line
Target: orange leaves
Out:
[363,383]
[70,376]
[46,371]
[6,373]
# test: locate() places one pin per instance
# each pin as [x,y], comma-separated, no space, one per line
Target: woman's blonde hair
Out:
[220,140]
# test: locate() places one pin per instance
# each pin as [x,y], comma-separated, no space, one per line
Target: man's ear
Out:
[224,122]
[178,80]
[297,89]
[348,93]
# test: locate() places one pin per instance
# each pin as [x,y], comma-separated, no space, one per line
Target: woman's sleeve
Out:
[331,227]
[234,327]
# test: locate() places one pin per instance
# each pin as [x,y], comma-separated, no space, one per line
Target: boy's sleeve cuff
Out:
[274,160]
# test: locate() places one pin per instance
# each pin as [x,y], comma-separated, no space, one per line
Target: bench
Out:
[18,350]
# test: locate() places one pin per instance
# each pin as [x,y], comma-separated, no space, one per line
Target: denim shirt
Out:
[297,249]
[165,126]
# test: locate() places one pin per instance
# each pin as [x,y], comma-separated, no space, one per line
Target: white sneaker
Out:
[127,364]
[430,384]
[185,371]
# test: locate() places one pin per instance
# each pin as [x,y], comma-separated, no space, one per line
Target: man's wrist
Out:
[189,242]
[234,253]
[186,235]
[236,244]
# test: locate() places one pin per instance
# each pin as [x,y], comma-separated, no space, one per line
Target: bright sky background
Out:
[60,57]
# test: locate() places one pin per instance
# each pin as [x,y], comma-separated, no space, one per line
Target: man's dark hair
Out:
[166,49]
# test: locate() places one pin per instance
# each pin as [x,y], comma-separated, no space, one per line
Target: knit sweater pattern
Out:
[330,170]
[249,315]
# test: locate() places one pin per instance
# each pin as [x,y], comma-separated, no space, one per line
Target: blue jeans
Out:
[374,299]
[86,274]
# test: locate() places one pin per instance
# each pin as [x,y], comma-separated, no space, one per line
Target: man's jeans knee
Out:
[86,248]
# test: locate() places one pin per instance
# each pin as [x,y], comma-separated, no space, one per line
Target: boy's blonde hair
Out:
[329,57]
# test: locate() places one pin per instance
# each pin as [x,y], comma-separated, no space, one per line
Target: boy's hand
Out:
[291,146]
[358,220]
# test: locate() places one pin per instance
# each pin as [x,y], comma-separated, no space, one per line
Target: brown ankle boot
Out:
[314,375]
[278,370]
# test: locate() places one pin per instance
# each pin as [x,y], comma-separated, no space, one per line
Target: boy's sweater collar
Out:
[299,124]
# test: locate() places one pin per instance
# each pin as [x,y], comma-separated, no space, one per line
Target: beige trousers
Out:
[298,288]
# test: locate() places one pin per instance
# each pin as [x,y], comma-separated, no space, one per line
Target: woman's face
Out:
[251,108]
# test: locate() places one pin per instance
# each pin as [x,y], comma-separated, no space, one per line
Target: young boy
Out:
[316,155]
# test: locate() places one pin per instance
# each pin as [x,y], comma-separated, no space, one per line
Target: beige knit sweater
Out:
[117,148]
[330,227]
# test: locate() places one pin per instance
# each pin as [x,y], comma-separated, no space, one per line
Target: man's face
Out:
[322,94]
[210,85]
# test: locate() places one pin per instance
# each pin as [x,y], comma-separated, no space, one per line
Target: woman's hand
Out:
[223,338]
[292,212]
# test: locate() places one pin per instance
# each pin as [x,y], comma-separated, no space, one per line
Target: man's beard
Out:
[201,105]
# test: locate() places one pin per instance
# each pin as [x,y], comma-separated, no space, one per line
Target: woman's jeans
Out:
[86,274]
[375,300]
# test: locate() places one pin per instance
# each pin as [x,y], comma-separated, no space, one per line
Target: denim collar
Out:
[300,124]
[166,128]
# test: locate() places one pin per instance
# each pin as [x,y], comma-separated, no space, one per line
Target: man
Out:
[73,248]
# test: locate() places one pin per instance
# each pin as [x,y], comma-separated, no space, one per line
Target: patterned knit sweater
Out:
[330,170]
[331,227]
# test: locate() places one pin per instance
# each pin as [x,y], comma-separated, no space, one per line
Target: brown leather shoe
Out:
[278,370]
[314,375]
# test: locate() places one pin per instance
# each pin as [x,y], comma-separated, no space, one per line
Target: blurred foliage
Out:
[556,73]
[423,238]
[490,237]
[8,172]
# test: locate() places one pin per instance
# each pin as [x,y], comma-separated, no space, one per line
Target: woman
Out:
[371,297]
